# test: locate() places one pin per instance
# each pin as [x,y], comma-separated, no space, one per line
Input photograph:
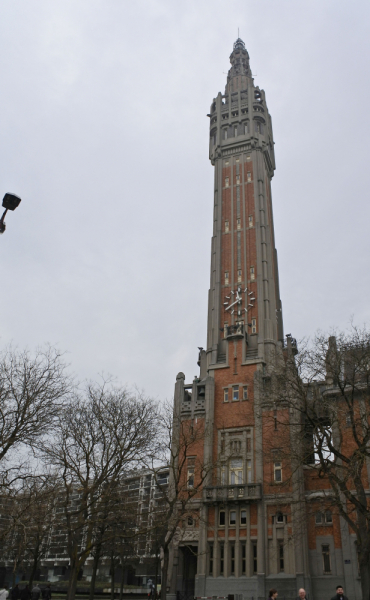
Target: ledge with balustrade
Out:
[232,493]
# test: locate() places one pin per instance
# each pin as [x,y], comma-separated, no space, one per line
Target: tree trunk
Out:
[166,556]
[112,573]
[34,569]
[122,581]
[94,570]
[72,583]
[365,578]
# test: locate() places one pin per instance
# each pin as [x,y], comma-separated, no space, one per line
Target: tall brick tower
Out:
[229,542]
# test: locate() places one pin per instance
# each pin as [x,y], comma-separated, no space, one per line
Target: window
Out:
[226,394]
[222,549]
[222,445]
[248,157]
[236,471]
[252,274]
[222,517]
[249,177]
[244,563]
[235,131]
[278,472]
[281,557]
[238,223]
[190,521]
[211,559]
[237,160]
[235,392]
[246,130]
[326,558]
[190,477]
[324,518]
[238,180]
[279,517]
[254,325]
[249,445]
[232,519]
[348,420]
[243,517]
[245,392]
[225,134]
[226,226]
[239,275]
[227,181]
[223,476]
[235,446]
[254,555]
[225,329]
[232,559]
[250,221]
[249,471]
[258,127]
[226,277]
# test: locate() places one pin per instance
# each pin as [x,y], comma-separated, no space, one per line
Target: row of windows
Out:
[238,224]
[233,393]
[232,559]
[236,130]
[325,552]
[238,179]
[239,275]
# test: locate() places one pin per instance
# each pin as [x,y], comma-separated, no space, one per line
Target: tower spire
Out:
[240,73]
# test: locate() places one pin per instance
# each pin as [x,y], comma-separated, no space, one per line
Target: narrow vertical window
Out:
[278,472]
[249,177]
[252,274]
[236,471]
[222,517]
[211,559]
[225,134]
[223,476]
[232,519]
[250,220]
[238,223]
[221,559]
[190,477]
[232,559]
[235,131]
[254,325]
[239,275]
[226,277]
[235,392]
[245,392]
[238,180]
[281,557]
[225,330]
[246,130]
[326,558]
[254,555]
[226,226]
[243,517]
[249,471]
[249,445]
[227,181]
[244,561]
[226,394]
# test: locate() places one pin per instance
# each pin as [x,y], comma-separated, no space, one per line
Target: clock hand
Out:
[236,301]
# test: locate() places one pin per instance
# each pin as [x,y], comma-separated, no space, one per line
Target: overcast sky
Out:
[104,135]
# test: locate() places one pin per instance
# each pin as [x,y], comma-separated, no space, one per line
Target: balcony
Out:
[232,493]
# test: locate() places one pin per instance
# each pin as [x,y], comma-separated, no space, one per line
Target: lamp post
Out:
[10,202]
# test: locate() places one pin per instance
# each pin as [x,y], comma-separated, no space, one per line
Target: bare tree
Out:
[322,395]
[27,520]
[32,390]
[100,436]
[177,499]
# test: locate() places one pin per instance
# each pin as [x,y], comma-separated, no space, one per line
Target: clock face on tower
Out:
[234,303]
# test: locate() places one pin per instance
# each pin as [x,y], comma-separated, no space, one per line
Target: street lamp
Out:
[10,202]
